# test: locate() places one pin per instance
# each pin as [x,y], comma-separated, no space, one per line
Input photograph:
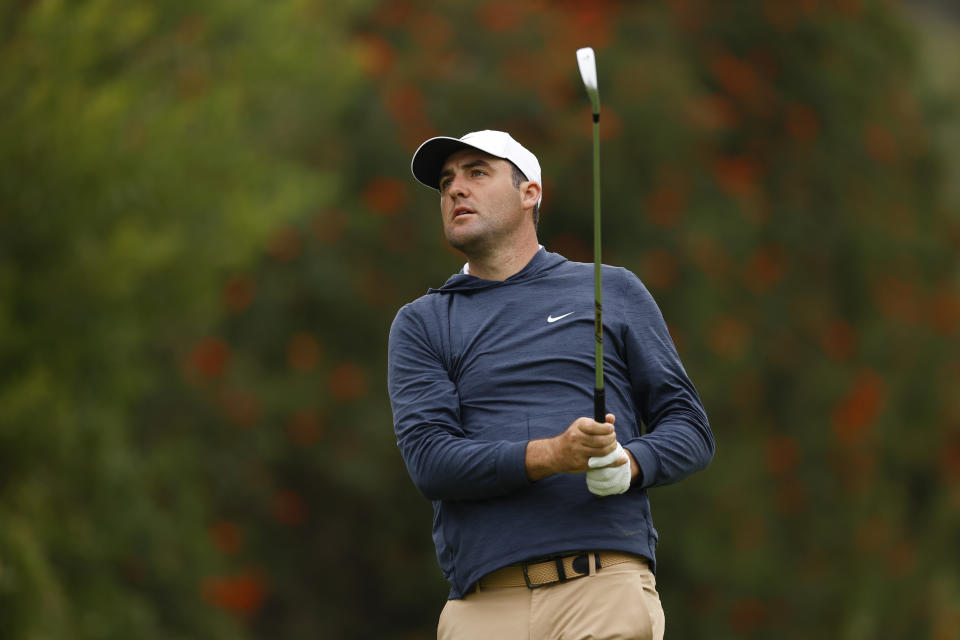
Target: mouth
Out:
[461,211]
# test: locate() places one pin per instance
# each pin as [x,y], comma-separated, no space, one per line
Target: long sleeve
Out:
[678,441]
[443,463]
[477,369]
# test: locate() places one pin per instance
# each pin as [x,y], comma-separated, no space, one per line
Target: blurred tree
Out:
[146,149]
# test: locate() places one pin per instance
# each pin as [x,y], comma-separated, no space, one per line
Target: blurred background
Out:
[207,224]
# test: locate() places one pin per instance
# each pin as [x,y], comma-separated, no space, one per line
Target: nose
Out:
[458,187]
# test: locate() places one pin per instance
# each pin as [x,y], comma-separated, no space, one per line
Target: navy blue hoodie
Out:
[478,368]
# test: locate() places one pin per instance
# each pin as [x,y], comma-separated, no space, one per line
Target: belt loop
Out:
[595,565]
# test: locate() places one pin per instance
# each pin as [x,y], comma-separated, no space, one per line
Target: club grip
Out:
[599,405]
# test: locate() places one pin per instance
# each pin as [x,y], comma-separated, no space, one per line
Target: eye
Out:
[444,184]
[478,172]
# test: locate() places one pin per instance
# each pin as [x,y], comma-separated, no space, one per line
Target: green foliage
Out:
[145,149]
[208,223]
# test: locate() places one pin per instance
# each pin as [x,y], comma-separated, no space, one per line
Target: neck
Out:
[502,262]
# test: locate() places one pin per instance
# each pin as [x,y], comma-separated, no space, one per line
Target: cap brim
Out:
[429,158]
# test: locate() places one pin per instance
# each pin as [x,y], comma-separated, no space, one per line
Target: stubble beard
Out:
[480,243]
[470,245]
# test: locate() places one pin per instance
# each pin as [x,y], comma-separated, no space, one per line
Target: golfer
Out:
[542,522]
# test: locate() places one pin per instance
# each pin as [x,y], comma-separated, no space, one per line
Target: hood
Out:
[542,263]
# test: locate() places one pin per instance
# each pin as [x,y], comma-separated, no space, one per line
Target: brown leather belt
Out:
[542,572]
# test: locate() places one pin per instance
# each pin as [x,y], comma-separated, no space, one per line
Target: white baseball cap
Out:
[432,154]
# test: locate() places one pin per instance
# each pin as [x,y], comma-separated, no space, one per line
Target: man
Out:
[490,377]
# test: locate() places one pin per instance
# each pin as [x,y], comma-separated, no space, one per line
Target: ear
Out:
[529,194]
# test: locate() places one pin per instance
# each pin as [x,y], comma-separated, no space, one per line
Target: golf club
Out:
[588,72]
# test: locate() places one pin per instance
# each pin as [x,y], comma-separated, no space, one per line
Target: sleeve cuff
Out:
[647,461]
[512,465]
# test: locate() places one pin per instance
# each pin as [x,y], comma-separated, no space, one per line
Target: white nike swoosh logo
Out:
[552,319]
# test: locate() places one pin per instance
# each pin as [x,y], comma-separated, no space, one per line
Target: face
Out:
[481,207]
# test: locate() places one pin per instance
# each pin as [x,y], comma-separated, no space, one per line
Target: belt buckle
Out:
[561,573]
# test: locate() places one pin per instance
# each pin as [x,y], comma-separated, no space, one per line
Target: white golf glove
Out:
[603,480]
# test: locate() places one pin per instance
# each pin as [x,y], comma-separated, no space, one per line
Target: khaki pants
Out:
[619,602]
